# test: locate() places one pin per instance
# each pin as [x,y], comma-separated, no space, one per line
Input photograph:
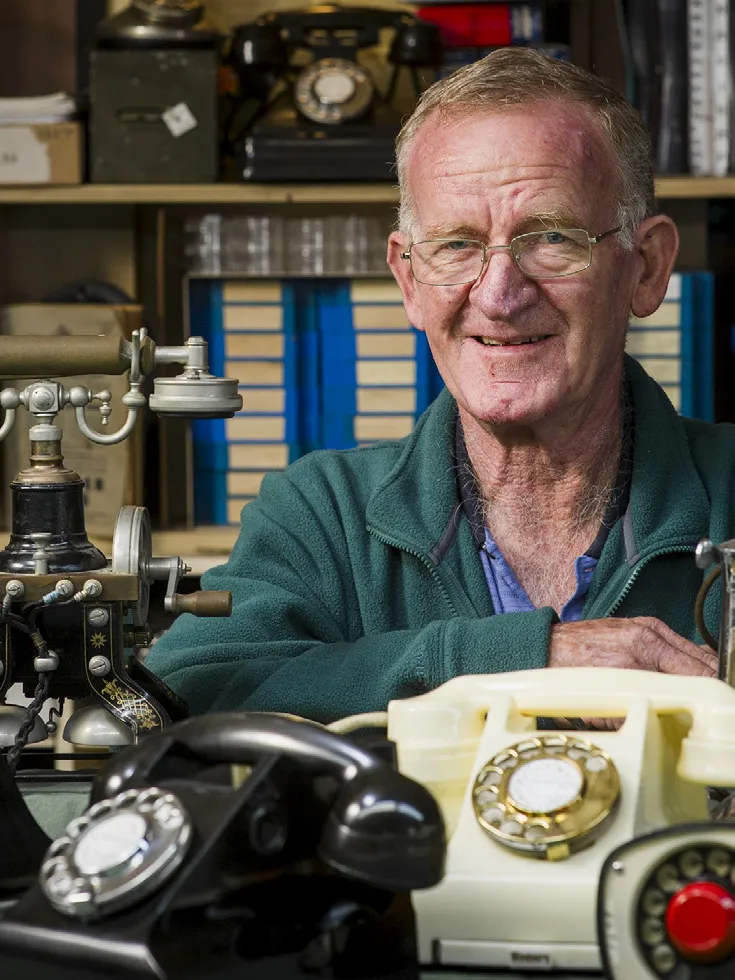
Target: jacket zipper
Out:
[424,561]
[638,569]
[676,549]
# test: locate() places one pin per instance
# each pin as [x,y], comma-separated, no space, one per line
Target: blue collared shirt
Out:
[507,593]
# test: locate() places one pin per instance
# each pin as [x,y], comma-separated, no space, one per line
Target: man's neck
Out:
[544,492]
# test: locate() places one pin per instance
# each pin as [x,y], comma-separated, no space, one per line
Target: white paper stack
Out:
[40,109]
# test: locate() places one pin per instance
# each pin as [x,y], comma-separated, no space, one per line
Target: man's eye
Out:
[554,238]
[458,245]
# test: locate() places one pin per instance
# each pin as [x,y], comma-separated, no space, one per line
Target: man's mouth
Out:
[490,342]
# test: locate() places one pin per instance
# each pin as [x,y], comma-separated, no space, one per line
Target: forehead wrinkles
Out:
[447,157]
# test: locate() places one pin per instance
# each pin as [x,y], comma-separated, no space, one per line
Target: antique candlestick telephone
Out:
[70,620]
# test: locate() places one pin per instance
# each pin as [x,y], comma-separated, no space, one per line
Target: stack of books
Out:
[252,332]
[675,344]
[377,374]
[321,364]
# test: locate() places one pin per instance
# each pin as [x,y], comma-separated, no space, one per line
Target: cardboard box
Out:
[48,153]
[112,474]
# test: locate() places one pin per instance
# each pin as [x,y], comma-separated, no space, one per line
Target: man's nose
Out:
[502,288]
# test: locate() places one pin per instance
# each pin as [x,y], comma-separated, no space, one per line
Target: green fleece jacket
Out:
[355,578]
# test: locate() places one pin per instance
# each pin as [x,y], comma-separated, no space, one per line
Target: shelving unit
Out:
[667,188]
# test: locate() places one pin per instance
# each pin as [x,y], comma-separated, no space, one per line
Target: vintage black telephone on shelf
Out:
[327,120]
[178,870]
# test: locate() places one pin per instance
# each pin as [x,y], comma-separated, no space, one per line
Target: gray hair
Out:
[519,76]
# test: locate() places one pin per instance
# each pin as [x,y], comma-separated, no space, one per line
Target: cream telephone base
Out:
[532,815]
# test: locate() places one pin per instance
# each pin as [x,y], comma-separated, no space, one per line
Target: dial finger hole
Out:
[663,959]
[493,815]
[668,878]
[491,778]
[719,861]
[485,797]
[511,827]
[652,931]
[691,864]
[596,763]
[56,866]
[653,902]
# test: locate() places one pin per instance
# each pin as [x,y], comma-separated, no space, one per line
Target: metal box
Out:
[153,116]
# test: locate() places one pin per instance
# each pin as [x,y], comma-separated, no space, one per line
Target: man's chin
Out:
[504,415]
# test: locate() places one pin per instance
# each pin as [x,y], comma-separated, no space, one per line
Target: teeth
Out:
[489,342]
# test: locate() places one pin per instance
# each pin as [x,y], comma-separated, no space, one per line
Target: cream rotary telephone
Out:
[532,815]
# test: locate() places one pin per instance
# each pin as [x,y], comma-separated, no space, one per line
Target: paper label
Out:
[179,119]
[24,159]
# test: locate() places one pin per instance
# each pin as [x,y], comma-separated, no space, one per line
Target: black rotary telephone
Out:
[302,869]
[326,119]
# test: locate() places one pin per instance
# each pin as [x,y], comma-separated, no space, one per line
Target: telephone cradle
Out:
[577,851]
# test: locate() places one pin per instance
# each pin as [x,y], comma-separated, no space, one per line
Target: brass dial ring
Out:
[546,796]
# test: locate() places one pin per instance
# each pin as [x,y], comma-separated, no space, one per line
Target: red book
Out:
[478,25]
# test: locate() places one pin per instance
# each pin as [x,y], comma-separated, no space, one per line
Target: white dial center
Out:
[334,88]
[110,843]
[545,785]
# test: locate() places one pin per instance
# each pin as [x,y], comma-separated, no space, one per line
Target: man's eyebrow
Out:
[454,231]
[555,217]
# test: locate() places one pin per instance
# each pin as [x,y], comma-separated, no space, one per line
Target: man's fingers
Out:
[676,655]
[678,663]
[679,642]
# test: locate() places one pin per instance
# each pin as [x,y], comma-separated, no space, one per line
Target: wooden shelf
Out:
[227,194]
[202,194]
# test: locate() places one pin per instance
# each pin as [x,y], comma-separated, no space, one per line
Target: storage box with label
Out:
[42,153]
[111,474]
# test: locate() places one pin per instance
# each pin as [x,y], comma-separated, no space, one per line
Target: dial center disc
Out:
[545,785]
[110,844]
[334,88]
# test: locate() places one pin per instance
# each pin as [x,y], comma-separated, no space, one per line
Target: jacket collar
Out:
[417,507]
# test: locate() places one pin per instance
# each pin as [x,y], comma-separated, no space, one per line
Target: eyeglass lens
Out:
[558,252]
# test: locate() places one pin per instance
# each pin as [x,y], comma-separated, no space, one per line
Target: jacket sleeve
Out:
[290,644]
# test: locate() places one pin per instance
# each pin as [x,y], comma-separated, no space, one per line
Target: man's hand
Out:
[639,643]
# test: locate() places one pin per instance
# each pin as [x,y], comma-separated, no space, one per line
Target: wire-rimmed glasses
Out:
[547,254]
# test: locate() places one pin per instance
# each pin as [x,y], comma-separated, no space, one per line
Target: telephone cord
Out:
[699,608]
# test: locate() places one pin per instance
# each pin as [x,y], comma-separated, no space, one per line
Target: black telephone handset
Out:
[173,870]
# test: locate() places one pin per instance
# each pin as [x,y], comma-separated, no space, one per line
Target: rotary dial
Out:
[685,912]
[117,853]
[546,796]
[333,90]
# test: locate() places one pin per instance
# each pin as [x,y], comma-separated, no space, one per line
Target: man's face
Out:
[490,177]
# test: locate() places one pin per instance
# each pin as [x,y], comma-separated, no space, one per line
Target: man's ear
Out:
[401,269]
[657,247]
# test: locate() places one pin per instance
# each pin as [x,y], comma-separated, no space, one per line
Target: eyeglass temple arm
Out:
[598,238]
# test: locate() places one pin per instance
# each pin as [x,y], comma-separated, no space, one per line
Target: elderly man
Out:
[545,509]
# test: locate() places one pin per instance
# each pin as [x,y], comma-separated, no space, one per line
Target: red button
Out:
[700,921]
